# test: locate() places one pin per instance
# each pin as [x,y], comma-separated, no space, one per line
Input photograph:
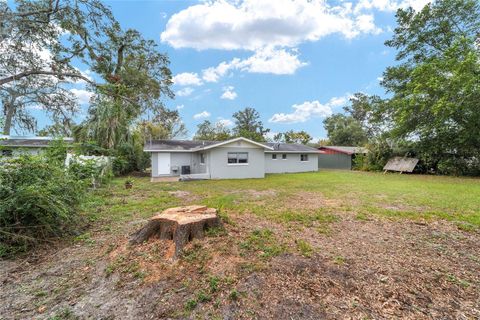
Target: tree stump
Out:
[180,224]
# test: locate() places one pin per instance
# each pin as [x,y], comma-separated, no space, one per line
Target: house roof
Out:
[27,142]
[176,145]
[191,146]
[290,148]
[346,150]
[263,145]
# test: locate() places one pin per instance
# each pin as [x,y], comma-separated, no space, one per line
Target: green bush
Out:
[39,200]
[458,166]
[93,171]
[129,157]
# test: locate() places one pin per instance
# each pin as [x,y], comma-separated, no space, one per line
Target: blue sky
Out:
[296,62]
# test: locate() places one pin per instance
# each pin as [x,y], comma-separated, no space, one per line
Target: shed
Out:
[338,157]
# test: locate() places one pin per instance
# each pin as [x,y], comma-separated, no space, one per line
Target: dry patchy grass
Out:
[298,246]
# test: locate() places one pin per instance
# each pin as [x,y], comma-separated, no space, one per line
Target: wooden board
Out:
[401,164]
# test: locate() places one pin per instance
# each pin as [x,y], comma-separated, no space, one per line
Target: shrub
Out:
[39,200]
[459,166]
[95,170]
[57,151]
[130,157]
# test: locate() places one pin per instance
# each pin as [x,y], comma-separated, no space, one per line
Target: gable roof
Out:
[192,146]
[175,145]
[28,142]
[346,150]
[218,144]
[290,148]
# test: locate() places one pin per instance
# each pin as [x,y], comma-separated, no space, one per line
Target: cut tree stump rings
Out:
[180,224]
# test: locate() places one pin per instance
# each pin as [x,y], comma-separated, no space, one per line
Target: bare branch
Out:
[24,74]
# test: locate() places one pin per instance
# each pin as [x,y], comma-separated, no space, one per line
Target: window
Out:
[284,156]
[238,158]
[304,157]
[202,158]
[7,152]
[274,156]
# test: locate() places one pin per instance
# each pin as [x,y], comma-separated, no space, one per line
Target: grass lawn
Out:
[302,197]
[324,245]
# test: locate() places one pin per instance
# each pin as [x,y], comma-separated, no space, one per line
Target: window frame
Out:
[274,156]
[202,159]
[237,158]
[304,156]
[284,156]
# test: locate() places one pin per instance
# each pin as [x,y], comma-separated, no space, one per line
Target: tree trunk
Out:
[180,225]
[9,109]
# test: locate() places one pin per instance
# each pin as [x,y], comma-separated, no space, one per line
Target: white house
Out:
[237,158]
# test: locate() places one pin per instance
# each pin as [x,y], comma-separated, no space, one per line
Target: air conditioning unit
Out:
[185,169]
[175,169]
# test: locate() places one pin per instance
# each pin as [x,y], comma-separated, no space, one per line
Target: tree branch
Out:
[48,11]
[65,74]
[24,74]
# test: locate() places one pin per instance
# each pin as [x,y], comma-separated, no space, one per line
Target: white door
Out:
[163,163]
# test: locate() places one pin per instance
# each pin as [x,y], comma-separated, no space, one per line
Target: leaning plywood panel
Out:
[401,164]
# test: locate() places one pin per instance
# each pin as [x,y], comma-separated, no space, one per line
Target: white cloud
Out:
[229,93]
[201,115]
[389,5]
[338,101]
[274,61]
[185,92]
[213,74]
[180,107]
[417,5]
[225,122]
[187,79]
[266,60]
[83,96]
[366,24]
[308,110]
[254,24]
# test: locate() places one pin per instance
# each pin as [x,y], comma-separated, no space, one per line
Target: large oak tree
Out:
[435,87]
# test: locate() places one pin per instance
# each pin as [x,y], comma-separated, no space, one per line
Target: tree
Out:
[136,80]
[47,94]
[166,124]
[435,86]
[39,42]
[248,125]
[362,108]
[344,130]
[56,130]
[212,132]
[43,38]
[301,137]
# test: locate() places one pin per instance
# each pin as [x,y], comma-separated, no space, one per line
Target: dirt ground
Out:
[351,269]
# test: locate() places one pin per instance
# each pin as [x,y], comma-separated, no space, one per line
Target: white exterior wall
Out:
[221,169]
[217,166]
[177,160]
[291,164]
